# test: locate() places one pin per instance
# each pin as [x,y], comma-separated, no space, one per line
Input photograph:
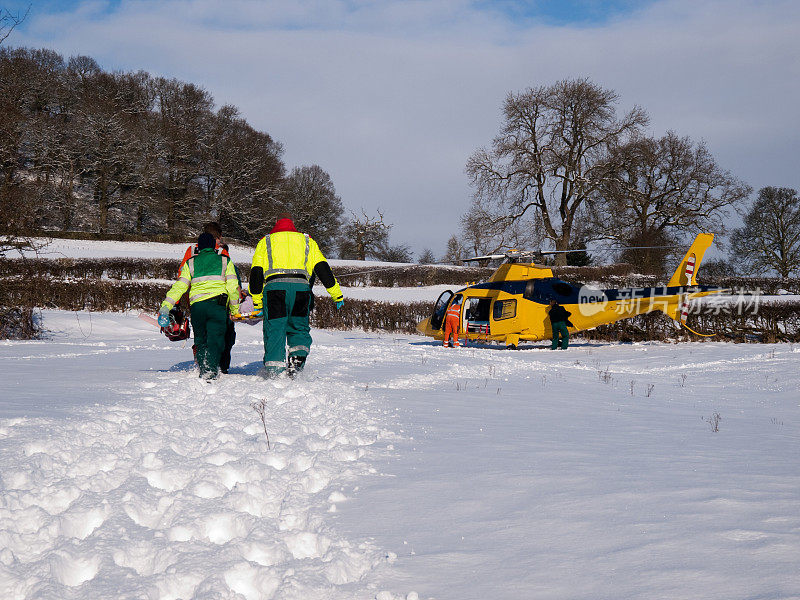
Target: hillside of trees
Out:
[83,149]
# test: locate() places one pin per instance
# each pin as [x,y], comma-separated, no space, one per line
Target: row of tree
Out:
[566,169]
[85,149]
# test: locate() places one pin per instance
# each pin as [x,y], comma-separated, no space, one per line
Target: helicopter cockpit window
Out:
[439,309]
[541,290]
[478,315]
[562,289]
[504,309]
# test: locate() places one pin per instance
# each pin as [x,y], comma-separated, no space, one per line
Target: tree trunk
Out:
[171,205]
[139,219]
[102,201]
[562,243]
[66,210]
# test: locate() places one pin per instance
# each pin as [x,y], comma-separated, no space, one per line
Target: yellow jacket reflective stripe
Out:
[205,286]
[289,253]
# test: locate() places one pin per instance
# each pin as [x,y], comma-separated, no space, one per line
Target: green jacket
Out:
[209,275]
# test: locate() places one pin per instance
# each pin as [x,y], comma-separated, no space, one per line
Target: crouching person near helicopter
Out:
[283,264]
[452,322]
[559,320]
[213,291]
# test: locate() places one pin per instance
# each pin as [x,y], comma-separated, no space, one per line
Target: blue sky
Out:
[392,96]
[566,12]
[553,12]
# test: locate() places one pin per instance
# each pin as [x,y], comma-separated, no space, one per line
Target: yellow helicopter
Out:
[513,305]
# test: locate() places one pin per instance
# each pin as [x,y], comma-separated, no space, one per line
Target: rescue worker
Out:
[559,320]
[452,322]
[212,296]
[283,263]
[221,247]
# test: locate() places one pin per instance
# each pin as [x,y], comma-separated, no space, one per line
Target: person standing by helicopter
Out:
[452,322]
[559,320]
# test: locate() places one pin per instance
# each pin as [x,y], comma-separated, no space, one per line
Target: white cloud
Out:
[392,97]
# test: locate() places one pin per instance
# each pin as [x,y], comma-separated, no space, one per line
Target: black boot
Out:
[294,365]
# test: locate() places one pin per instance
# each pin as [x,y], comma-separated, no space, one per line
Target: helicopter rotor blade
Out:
[516,254]
[585,250]
[487,257]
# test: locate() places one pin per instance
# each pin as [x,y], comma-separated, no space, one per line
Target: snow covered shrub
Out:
[713,421]
[18,323]
[370,315]
[82,295]
[92,268]
[411,276]
[261,408]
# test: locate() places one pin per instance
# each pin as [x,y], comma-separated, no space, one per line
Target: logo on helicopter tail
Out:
[591,301]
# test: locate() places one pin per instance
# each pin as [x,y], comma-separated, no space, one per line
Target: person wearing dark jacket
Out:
[559,319]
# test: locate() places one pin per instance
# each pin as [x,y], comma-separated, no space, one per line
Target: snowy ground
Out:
[397,468]
[63,248]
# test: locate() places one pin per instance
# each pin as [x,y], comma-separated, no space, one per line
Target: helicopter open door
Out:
[477,315]
[439,310]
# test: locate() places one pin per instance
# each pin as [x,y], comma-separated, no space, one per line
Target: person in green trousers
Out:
[283,265]
[213,293]
[559,320]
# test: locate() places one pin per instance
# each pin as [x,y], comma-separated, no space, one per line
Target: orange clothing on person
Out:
[452,324]
[192,251]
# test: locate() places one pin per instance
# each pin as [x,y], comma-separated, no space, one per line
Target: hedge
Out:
[119,296]
[779,322]
[612,276]
[772,322]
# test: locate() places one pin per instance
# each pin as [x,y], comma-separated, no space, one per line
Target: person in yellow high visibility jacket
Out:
[283,264]
[213,292]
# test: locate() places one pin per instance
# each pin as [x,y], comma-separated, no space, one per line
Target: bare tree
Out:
[363,236]
[551,155]
[109,147]
[140,180]
[400,253]
[455,251]
[485,229]
[241,176]
[770,237]
[184,113]
[661,190]
[20,197]
[427,257]
[9,21]
[311,197]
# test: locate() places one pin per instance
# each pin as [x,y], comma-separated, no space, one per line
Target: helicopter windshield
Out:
[440,308]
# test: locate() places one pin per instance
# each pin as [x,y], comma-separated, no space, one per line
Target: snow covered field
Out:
[397,469]
[63,248]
